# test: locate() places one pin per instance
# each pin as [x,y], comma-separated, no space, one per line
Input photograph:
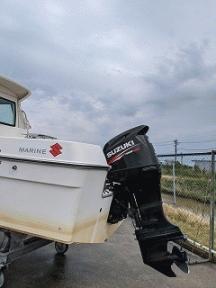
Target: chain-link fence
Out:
[188,191]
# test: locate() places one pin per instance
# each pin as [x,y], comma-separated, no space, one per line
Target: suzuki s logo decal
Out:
[56,149]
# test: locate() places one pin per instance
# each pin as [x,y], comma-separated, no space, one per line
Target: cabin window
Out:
[7,112]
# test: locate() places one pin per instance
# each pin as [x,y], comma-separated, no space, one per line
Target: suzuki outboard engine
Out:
[134,178]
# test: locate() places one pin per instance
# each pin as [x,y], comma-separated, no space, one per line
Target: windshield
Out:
[7,112]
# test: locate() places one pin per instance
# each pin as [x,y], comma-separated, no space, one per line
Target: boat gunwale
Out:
[55,163]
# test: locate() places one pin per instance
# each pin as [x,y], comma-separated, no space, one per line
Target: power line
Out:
[184,142]
[163,144]
[197,149]
[194,142]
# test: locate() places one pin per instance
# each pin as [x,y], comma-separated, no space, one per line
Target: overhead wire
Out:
[182,145]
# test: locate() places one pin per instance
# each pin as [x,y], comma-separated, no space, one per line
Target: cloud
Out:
[96,69]
[173,100]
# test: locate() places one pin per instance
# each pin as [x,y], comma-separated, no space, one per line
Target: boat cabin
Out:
[13,121]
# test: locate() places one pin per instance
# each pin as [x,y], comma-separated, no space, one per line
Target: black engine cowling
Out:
[135,180]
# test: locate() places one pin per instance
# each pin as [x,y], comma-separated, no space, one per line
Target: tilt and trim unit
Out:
[134,178]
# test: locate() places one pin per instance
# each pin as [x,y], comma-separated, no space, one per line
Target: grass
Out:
[190,182]
[194,226]
[185,171]
[192,188]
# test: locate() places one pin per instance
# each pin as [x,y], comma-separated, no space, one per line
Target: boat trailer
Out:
[15,245]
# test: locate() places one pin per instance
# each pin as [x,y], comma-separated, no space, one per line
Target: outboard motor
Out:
[134,178]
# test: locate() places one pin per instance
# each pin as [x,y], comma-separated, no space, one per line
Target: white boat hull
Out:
[53,199]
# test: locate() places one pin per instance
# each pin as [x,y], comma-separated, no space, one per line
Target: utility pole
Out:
[176,149]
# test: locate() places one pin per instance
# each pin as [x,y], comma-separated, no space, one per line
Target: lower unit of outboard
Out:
[134,178]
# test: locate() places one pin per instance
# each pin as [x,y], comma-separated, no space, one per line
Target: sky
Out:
[97,68]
